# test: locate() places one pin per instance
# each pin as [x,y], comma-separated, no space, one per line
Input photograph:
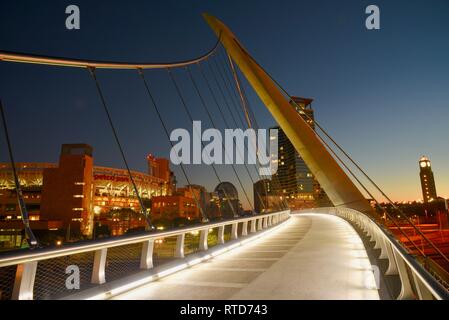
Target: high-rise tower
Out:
[297,183]
[429,191]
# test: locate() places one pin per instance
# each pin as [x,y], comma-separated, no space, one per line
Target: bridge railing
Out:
[416,281]
[44,273]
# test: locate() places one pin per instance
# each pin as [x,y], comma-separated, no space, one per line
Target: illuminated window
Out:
[79,183]
[78,196]
[77,209]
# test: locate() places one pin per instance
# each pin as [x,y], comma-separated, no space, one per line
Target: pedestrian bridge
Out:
[310,256]
[326,253]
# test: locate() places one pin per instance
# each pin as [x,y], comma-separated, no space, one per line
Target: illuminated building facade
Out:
[67,189]
[174,206]
[266,197]
[428,188]
[74,193]
[297,183]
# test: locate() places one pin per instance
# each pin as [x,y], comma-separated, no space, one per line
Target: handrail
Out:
[8,56]
[19,256]
[27,261]
[423,285]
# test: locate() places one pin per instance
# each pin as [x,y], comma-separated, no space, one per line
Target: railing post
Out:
[377,244]
[24,281]
[264,222]
[392,267]
[146,257]
[220,234]
[269,221]
[98,273]
[253,225]
[203,239]
[259,224]
[245,228]
[234,231]
[382,245]
[406,288]
[423,292]
[179,253]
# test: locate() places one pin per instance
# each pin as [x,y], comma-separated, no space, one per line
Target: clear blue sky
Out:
[384,95]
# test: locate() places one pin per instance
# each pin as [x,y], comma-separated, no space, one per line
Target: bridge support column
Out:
[234,231]
[221,235]
[146,257]
[406,288]
[203,239]
[245,228]
[253,225]
[259,224]
[179,253]
[24,281]
[98,271]
[338,186]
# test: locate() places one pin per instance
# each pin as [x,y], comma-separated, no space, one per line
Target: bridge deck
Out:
[311,256]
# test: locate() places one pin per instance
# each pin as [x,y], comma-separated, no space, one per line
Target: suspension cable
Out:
[235,104]
[245,106]
[117,140]
[23,210]
[203,102]
[214,97]
[204,105]
[159,115]
[235,123]
[189,114]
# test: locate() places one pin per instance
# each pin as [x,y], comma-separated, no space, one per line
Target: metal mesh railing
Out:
[122,260]
[7,276]
[164,250]
[51,276]
[227,233]
[212,238]
[192,242]
[54,274]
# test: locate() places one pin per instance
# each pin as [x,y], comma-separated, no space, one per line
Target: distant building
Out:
[228,200]
[428,188]
[74,194]
[174,206]
[266,197]
[67,189]
[297,183]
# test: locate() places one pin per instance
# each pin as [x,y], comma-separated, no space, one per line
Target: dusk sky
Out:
[383,94]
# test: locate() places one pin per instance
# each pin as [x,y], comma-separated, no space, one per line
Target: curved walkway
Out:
[311,256]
